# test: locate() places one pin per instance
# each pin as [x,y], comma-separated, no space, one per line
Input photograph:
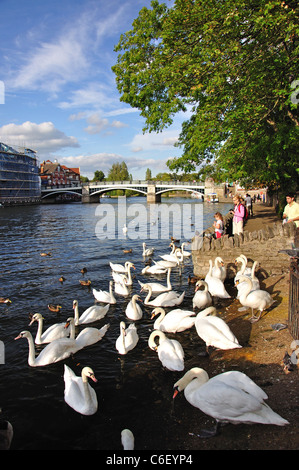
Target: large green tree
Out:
[118,172]
[233,66]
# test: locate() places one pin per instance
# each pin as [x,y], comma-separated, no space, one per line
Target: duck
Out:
[255,299]
[216,286]
[61,279]
[170,351]
[127,339]
[201,298]
[54,308]
[157,287]
[166,299]
[133,309]
[120,268]
[85,283]
[186,254]
[78,394]
[127,439]
[155,269]
[175,321]
[214,331]
[147,251]
[56,351]
[193,279]
[219,269]
[127,250]
[104,296]
[5,300]
[56,331]
[83,271]
[46,254]
[90,315]
[229,397]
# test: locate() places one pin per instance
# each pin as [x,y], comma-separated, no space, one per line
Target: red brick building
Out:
[57,175]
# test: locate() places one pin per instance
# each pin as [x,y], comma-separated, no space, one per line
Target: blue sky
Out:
[60,94]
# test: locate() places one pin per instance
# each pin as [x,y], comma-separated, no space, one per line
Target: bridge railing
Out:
[144,182]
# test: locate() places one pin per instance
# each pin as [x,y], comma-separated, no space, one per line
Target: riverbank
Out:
[261,358]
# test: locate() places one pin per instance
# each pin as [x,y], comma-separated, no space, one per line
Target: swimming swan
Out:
[170,351]
[155,269]
[254,299]
[78,394]
[230,397]
[127,439]
[88,335]
[147,251]
[133,309]
[104,296]
[157,287]
[127,339]
[124,278]
[90,315]
[56,331]
[216,286]
[202,298]
[174,321]
[214,331]
[166,299]
[55,351]
[185,254]
[120,268]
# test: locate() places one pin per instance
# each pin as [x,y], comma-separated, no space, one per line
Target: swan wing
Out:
[93,313]
[90,336]
[170,354]
[56,331]
[57,350]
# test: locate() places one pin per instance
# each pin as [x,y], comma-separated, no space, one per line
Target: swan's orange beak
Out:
[175,393]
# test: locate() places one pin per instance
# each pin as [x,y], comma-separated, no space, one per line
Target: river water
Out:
[134,391]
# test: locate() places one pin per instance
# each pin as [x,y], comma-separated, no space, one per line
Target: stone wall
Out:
[262,246]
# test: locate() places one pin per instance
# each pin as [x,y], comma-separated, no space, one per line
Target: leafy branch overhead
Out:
[232,65]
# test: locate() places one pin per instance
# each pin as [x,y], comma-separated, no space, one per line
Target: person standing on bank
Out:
[291,210]
[239,214]
[248,202]
[219,225]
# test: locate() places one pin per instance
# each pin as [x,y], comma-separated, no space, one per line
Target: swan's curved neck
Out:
[159,318]
[168,279]
[111,291]
[152,343]
[149,294]
[253,276]
[31,354]
[38,337]
[76,314]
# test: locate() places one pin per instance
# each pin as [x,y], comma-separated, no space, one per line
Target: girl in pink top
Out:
[239,213]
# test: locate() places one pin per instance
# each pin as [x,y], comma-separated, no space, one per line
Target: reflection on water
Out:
[133,391]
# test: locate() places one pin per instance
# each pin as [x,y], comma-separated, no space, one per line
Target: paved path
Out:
[263,215]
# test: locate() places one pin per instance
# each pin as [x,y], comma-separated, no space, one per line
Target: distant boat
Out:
[196,195]
[212,197]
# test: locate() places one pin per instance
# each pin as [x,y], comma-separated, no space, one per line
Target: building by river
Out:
[19,176]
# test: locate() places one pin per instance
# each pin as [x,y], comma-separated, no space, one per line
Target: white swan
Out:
[124,278]
[216,286]
[133,309]
[147,251]
[90,315]
[170,351]
[157,287]
[231,397]
[55,351]
[219,269]
[88,335]
[121,288]
[166,299]
[125,229]
[214,331]
[201,298]
[127,439]
[104,296]
[78,394]
[185,253]
[172,260]
[243,271]
[120,268]
[254,279]
[174,321]
[56,331]
[155,269]
[254,299]
[127,339]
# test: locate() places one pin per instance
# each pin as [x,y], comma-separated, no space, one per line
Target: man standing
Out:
[248,202]
[291,210]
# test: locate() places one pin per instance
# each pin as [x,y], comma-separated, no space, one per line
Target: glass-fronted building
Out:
[19,176]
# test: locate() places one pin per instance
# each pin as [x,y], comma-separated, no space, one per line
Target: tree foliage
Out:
[232,65]
[118,172]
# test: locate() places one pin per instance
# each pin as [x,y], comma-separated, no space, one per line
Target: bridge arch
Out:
[114,188]
[190,190]
[61,191]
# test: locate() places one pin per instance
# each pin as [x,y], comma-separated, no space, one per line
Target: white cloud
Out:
[44,137]
[152,141]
